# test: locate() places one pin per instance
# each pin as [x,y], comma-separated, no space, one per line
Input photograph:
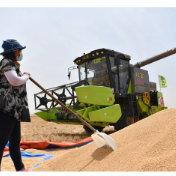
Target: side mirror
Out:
[71,68]
[69,74]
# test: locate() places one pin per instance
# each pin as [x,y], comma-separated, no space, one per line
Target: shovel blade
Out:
[102,140]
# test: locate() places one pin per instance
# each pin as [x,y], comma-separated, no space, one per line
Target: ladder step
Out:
[134,106]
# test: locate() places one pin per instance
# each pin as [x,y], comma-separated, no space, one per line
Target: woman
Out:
[13,85]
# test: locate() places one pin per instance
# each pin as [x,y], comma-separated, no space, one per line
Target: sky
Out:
[55,36]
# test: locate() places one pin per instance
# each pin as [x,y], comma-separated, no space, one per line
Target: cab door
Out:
[120,74]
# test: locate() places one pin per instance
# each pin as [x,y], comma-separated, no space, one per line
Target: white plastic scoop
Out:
[101,139]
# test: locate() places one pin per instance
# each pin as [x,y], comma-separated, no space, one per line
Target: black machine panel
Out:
[140,80]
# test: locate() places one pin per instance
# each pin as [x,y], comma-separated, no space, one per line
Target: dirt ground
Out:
[148,145]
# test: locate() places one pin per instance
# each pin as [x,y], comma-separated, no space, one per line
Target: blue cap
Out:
[11,45]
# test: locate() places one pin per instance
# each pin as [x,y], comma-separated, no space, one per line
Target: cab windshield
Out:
[95,72]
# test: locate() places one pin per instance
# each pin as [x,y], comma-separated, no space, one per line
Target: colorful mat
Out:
[45,144]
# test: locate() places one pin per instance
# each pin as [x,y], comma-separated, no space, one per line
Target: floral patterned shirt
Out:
[16,99]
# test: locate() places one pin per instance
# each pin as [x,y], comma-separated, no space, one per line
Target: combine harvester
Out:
[110,91]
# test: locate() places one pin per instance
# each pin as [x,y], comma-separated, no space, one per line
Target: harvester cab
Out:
[110,91]
[104,67]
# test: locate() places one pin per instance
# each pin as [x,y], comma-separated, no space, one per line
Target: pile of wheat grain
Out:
[148,145]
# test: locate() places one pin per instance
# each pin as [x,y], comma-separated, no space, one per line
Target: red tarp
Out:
[45,144]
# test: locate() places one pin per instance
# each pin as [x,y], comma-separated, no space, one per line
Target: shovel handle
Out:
[79,118]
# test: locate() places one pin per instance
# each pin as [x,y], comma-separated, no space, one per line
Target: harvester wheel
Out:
[123,122]
[87,129]
[96,127]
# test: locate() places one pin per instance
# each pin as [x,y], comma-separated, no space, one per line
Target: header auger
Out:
[110,91]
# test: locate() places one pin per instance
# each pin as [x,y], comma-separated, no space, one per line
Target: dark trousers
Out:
[10,130]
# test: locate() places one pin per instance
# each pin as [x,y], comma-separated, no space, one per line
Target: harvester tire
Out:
[96,127]
[123,122]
